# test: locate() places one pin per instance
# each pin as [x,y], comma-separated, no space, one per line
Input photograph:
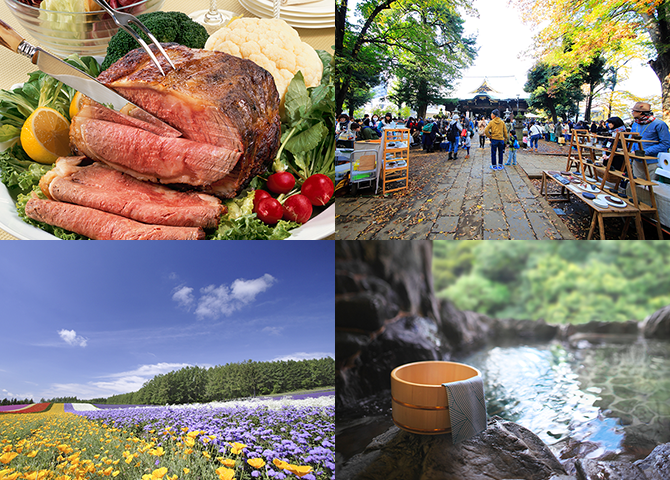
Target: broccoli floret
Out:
[166,27]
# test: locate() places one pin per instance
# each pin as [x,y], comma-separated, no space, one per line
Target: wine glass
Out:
[212,18]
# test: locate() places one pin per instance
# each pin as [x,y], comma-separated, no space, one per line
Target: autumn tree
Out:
[553,89]
[429,32]
[634,28]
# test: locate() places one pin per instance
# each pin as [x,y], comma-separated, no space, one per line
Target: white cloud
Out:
[71,338]
[173,276]
[215,301]
[273,330]
[112,384]
[183,296]
[297,356]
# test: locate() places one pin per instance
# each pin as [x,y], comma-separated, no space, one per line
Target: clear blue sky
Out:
[99,318]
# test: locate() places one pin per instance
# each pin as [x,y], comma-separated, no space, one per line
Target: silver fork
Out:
[124,20]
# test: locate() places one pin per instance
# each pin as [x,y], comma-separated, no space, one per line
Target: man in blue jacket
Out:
[649,128]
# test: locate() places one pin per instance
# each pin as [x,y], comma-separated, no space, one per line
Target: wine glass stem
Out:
[276,9]
[213,16]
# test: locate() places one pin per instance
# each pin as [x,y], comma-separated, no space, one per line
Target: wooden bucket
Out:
[420,403]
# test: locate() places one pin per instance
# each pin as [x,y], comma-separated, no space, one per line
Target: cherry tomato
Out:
[269,211]
[297,208]
[318,188]
[281,182]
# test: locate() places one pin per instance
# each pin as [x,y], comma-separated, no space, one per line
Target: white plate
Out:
[287,15]
[303,22]
[600,203]
[588,188]
[322,7]
[317,228]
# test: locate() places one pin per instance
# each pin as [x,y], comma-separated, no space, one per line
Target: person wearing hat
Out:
[651,129]
[496,131]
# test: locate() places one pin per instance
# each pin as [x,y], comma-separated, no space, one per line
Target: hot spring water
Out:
[614,397]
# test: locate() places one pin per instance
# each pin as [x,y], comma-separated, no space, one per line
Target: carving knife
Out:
[71,76]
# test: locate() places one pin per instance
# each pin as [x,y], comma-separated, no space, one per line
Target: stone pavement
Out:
[461,199]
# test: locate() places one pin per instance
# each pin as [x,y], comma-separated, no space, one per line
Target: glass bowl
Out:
[83,33]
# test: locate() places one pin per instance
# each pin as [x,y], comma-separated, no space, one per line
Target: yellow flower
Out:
[237,447]
[206,455]
[32,454]
[158,451]
[7,457]
[280,463]
[228,462]
[256,462]
[189,441]
[186,470]
[225,473]
[158,473]
[107,471]
[300,471]
[6,474]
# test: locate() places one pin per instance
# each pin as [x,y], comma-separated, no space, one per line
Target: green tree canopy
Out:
[562,282]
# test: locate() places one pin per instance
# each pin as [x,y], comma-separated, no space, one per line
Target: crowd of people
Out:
[453,131]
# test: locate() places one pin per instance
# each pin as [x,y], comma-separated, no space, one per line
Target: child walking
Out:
[465,143]
[513,145]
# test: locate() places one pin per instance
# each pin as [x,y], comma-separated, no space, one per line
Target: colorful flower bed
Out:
[196,442]
[9,408]
[36,408]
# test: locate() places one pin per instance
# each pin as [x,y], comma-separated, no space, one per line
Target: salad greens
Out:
[307,146]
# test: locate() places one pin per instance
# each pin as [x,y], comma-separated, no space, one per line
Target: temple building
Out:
[484,99]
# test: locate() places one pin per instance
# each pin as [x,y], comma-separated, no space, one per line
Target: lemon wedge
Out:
[45,135]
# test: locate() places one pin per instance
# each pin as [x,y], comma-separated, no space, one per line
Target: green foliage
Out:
[230,381]
[554,89]
[562,282]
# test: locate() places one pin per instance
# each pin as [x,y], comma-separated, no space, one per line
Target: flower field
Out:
[245,440]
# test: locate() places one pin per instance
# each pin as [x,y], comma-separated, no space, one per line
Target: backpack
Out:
[464,133]
[516,144]
[453,132]
[427,128]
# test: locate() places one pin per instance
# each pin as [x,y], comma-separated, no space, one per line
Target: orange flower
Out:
[225,473]
[256,462]
[237,447]
[228,462]
[280,463]
[300,471]
[7,457]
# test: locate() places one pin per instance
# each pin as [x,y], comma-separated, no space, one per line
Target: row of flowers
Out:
[155,443]
[35,408]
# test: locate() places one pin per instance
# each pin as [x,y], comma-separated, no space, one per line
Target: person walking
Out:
[453,137]
[535,134]
[498,136]
[480,130]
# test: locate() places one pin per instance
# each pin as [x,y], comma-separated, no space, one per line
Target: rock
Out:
[504,450]
[464,331]
[657,325]
[525,329]
[408,339]
[610,328]
[597,470]
[657,464]
[363,311]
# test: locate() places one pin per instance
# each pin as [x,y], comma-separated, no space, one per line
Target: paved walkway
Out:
[461,199]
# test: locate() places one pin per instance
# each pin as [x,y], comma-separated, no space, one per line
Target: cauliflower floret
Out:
[271,44]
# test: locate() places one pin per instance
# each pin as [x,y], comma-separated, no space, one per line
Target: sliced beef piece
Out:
[148,156]
[211,97]
[130,115]
[99,225]
[77,180]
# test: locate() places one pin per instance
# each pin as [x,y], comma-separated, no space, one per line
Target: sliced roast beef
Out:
[99,225]
[212,98]
[76,180]
[148,156]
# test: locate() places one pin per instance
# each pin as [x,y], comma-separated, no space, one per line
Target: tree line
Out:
[226,382]
[16,401]
[561,282]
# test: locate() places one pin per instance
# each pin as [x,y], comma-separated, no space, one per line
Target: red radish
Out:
[258,196]
[297,208]
[281,182]
[269,210]
[318,188]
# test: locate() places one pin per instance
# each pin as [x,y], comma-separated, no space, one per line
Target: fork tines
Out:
[124,20]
